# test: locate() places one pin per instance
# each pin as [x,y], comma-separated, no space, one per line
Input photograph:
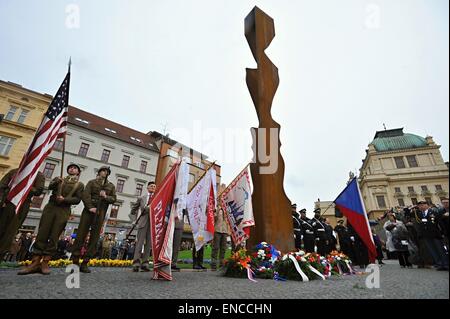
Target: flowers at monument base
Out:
[340,263]
[236,265]
[92,263]
[264,261]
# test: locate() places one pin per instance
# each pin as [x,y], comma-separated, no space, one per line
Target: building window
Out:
[410,189]
[5,144]
[191,178]
[381,202]
[428,200]
[172,153]
[424,188]
[120,185]
[105,156]
[36,202]
[143,166]
[438,188]
[22,116]
[10,115]
[125,161]
[83,149]
[412,161]
[58,146]
[48,170]
[114,211]
[414,201]
[139,188]
[401,202]
[398,190]
[399,162]
[200,165]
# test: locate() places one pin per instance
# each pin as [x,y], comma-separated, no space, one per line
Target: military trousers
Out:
[10,223]
[53,221]
[91,224]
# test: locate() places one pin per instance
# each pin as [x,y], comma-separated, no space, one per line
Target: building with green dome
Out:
[401,169]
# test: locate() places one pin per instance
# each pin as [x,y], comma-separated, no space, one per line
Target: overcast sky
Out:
[346,67]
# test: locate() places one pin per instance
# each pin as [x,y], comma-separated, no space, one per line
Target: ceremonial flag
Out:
[236,201]
[350,203]
[53,126]
[201,203]
[161,221]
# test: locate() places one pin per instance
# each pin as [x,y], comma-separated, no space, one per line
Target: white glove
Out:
[352,238]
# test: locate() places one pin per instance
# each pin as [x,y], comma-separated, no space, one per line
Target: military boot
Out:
[34,267]
[84,267]
[45,270]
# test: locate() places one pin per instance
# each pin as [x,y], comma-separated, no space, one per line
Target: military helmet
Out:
[74,165]
[104,168]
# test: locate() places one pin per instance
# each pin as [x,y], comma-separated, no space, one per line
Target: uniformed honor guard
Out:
[98,194]
[307,231]
[345,243]
[297,227]
[143,224]
[320,233]
[429,234]
[65,193]
[10,222]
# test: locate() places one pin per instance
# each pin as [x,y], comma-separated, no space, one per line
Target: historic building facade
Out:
[92,142]
[401,169]
[21,112]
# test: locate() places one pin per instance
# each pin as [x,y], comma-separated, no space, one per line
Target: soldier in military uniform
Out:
[429,234]
[297,227]
[320,233]
[65,192]
[307,232]
[345,243]
[10,222]
[98,194]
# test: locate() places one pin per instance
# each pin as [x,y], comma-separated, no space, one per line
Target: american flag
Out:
[53,126]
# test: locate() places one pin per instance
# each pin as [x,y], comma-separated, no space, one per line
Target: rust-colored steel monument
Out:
[271,207]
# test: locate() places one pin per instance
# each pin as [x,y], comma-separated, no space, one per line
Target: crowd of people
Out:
[317,235]
[415,235]
[89,241]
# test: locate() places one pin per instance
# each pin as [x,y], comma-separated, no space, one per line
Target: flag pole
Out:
[64,137]
[233,180]
[206,171]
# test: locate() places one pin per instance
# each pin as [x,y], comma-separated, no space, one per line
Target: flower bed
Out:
[92,263]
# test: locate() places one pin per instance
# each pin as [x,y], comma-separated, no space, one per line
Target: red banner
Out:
[210,211]
[160,209]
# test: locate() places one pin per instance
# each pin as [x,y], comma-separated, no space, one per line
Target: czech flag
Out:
[350,203]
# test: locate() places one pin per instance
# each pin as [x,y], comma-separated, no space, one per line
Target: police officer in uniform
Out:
[66,192]
[428,232]
[345,244]
[297,227]
[98,194]
[319,231]
[307,231]
[10,222]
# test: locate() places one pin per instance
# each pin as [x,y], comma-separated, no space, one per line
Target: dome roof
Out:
[391,140]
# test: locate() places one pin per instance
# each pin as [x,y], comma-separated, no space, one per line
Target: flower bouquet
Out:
[340,263]
[264,257]
[295,266]
[237,265]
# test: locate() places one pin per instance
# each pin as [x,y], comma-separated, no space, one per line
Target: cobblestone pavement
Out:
[123,283]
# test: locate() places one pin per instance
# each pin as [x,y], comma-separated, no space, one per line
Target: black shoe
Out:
[135,268]
[174,268]
[84,268]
